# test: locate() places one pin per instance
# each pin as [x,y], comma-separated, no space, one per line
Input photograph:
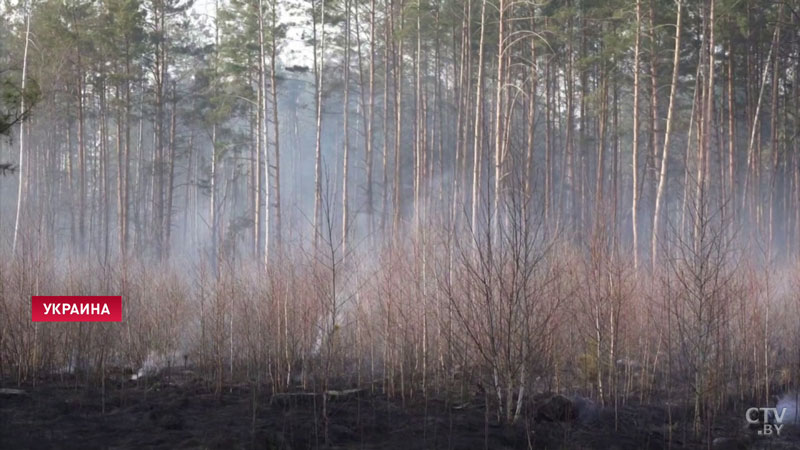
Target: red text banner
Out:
[78,308]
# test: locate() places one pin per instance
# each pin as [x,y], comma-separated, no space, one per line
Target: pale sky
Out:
[293,50]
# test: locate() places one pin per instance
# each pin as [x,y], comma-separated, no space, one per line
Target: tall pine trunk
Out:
[662,178]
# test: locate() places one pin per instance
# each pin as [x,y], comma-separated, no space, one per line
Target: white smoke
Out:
[789,401]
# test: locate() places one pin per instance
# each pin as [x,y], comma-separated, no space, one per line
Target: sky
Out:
[293,48]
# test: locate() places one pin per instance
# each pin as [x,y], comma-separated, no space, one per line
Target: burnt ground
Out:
[188,414]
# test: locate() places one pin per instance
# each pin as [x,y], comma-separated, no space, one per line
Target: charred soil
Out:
[163,412]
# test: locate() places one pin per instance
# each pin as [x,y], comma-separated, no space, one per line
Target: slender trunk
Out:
[120,177]
[731,198]
[276,163]
[635,150]
[601,147]
[385,130]
[81,161]
[529,155]
[462,116]
[398,132]
[159,72]
[419,150]
[708,116]
[686,157]
[22,165]
[573,202]
[104,173]
[653,154]
[171,174]
[260,108]
[662,179]
[318,147]
[548,141]
[476,135]
[751,158]
[774,142]
[213,209]
[345,129]
[615,165]
[125,219]
[498,133]
[368,139]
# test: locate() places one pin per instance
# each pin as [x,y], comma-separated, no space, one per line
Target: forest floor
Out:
[185,413]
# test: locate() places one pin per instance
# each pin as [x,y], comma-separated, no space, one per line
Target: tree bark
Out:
[477,146]
[345,129]
[635,132]
[319,68]
[499,153]
[662,178]
[22,165]
[276,163]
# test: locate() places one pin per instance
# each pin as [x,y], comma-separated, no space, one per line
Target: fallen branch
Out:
[342,393]
[12,392]
[288,396]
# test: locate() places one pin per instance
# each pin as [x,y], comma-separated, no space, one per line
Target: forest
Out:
[536,223]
